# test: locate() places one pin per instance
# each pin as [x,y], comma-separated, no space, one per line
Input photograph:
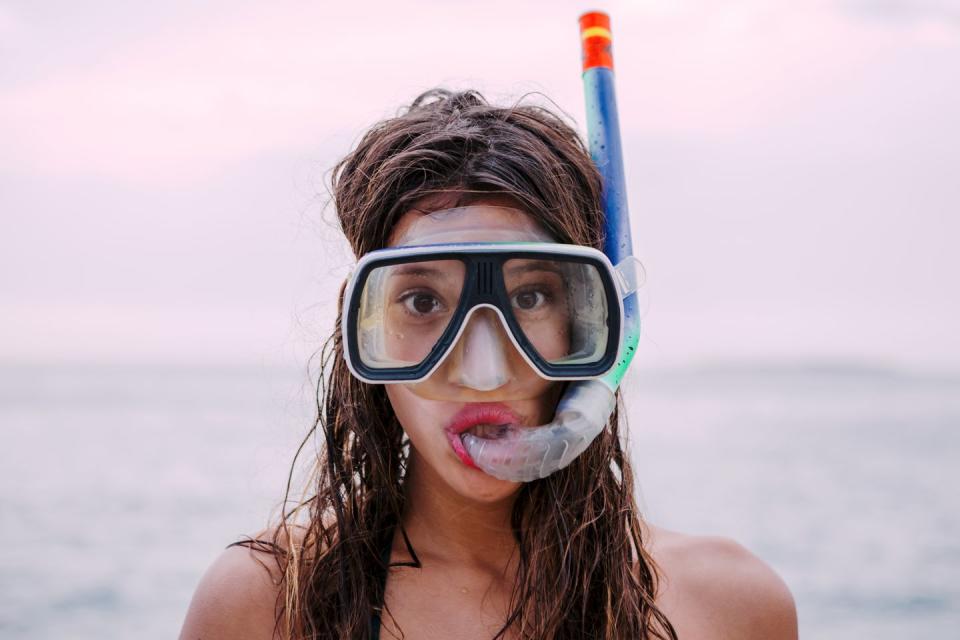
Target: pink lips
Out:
[472,414]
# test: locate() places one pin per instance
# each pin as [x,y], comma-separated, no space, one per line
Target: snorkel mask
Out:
[489,294]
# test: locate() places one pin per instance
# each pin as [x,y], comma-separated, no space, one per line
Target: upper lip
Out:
[475,413]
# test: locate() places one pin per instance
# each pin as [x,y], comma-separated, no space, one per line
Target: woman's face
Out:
[484,382]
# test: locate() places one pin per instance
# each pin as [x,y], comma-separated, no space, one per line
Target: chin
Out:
[475,485]
[437,464]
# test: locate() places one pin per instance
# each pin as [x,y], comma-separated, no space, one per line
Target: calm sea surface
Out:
[119,485]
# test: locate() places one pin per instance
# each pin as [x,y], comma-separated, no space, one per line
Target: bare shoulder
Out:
[236,598]
[715,588]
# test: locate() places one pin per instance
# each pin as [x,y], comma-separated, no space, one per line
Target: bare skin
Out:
[458,520]
[711,589]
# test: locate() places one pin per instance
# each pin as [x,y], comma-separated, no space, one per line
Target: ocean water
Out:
[119,485]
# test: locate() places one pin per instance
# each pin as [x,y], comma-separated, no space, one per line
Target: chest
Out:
[435,603]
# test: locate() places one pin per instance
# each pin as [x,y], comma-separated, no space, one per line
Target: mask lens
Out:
[560,306]
[405,308]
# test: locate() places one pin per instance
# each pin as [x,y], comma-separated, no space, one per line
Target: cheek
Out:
[551,339]
[408,341]
[408,408]
[546,404]
[423,421]
[549,333]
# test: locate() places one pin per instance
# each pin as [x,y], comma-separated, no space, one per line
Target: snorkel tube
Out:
[603,134]
[586,406]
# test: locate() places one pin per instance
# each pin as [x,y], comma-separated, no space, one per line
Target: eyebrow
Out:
[419,271]
[533,265]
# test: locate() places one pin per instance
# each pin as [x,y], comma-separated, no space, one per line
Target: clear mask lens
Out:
[558,307]
[405,309]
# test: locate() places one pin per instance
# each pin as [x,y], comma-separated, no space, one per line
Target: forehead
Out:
[478,222]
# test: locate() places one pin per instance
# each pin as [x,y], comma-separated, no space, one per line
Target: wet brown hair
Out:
[583,570]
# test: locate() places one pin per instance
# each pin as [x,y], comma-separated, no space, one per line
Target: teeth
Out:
[489,431]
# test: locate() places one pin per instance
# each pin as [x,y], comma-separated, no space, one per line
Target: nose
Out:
[480,361]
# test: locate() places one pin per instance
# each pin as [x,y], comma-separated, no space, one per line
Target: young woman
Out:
[401,534]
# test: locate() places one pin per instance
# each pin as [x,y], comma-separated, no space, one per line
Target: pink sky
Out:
[792,167]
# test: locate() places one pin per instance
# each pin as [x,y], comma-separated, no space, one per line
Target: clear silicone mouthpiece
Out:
[531,453]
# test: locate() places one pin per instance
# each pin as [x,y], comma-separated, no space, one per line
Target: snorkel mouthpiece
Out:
[527,454]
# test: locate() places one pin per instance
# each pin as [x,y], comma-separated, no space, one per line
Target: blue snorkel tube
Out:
[586,406]
[603,134]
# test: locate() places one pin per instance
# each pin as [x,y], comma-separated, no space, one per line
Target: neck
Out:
[446,527]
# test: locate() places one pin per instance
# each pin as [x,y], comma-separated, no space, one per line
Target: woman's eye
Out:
[529,300]
[421,303]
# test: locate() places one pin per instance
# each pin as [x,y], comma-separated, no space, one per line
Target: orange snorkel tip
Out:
[596,40]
